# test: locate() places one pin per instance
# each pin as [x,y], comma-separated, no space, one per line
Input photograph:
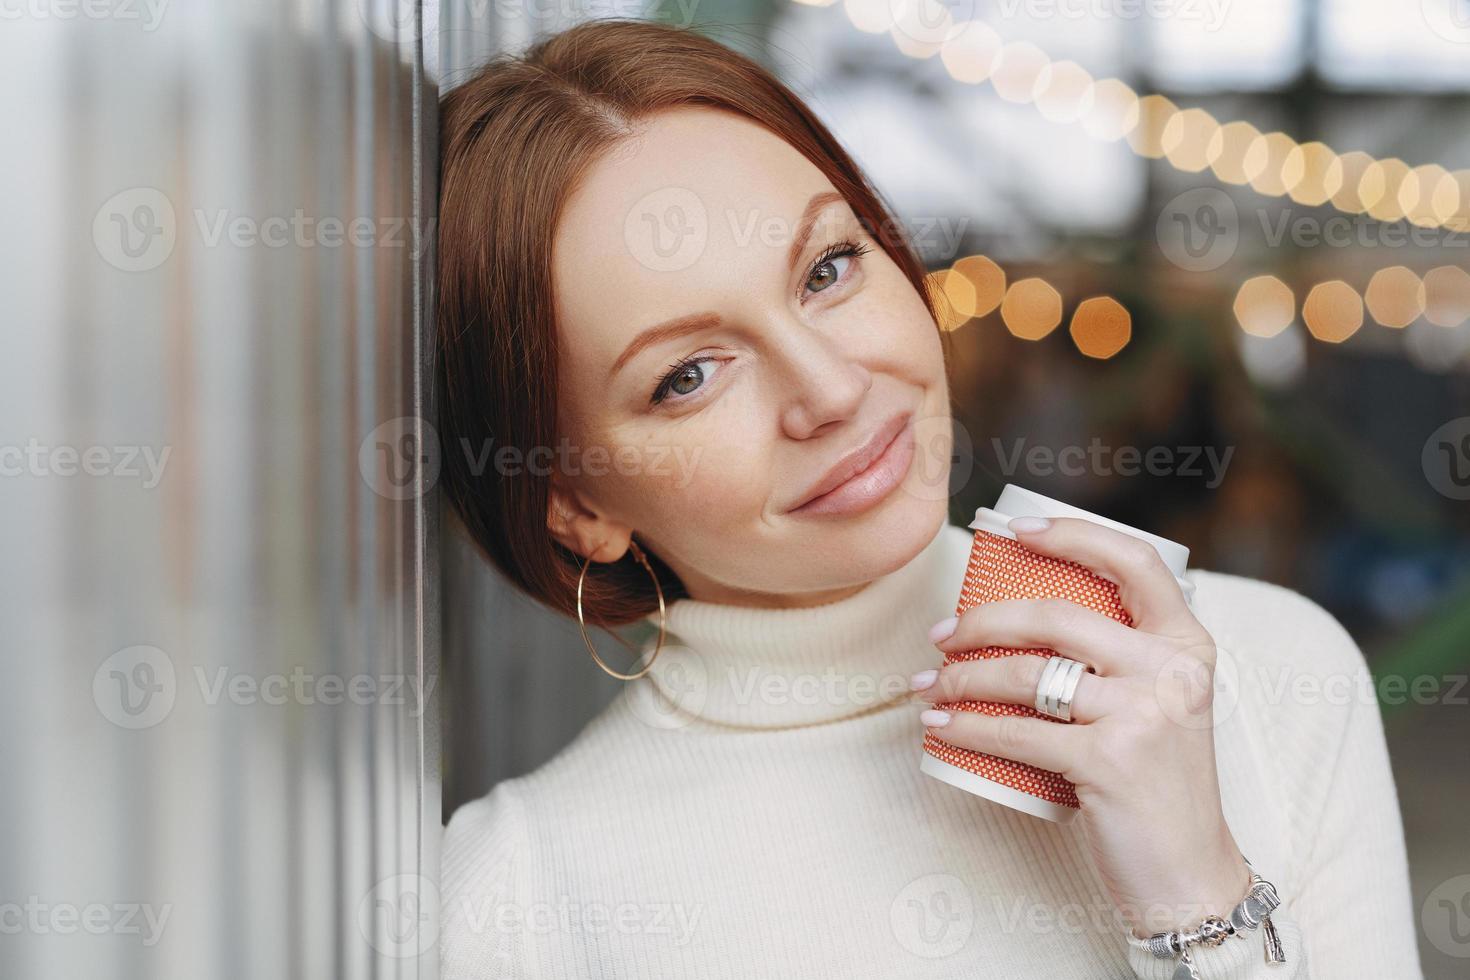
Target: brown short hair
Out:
[515,138]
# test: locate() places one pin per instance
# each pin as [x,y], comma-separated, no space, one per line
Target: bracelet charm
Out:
[1252,912]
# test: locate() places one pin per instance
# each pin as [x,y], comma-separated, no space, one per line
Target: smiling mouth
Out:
[871,475]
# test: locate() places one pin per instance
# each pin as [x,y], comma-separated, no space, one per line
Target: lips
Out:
[856,460]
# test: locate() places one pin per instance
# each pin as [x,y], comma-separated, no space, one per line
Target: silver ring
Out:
[1044,684]
[1057,687]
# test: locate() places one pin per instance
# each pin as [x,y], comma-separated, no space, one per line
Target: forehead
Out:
[692,195]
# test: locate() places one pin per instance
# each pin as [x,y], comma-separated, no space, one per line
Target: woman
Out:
[662,274]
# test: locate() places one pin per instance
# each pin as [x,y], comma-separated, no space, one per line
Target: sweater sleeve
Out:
[483,894]
[1353,897]
[1346,908]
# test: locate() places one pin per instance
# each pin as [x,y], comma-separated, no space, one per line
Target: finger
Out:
[1053,624]
[1146,587]
[1013,680]
[1050,745]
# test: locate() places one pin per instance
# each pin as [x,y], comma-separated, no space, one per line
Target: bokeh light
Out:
[1312,173]
[920,27]
[1380,186]
[1031,309]
[986,278]
[869,16]
[1228,147]
[1265,163]
[1459,219]
[1447,296]
[1436,349]
[1333,311]
[1275,361]
[1063,92]
[1101,327]
[1264,306]
[1348,196]
[1395,296]
[954,298]
[1114,111]
[1187,139]
[1018,70]
[1147,138]
[971,52]
[1428,195]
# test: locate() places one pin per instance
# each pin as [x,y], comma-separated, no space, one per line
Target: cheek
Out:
[899,328]
[694,471]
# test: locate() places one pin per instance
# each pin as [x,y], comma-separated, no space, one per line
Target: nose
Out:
[821,383]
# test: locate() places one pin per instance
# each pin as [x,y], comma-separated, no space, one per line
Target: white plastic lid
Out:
[1017,501]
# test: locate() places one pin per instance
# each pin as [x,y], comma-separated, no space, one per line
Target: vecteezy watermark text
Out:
[402,458]
[123,462]
[38,918]
[1212,13]
[147,13]
[1098,459]
[138,687]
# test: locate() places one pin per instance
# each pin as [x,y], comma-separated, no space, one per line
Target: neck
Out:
[716,595]
[764,667]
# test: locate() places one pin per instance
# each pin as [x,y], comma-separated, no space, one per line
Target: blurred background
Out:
[1207,268]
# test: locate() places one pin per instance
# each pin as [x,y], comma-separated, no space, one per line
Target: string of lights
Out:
[1192,141]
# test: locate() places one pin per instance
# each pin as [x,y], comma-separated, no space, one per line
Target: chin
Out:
[885,538]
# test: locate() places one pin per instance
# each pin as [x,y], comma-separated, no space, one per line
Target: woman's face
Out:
[729,334]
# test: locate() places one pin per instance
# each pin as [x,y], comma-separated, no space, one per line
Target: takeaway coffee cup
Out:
[999,568]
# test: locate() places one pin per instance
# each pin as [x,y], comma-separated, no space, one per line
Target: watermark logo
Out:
[1445,917]
[392,20]
[1199,230]
[400,459]
[1446,459]
[944,459]
[135,687]
[929,22]
[1195,695]
[135,230]
[399,916]
[1450,19]
[667,230]
[933,916]
[679,689]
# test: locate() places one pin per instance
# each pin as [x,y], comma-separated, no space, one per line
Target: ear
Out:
[583,528]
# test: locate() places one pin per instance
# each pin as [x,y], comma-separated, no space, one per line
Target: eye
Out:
[831,266]
[683,378]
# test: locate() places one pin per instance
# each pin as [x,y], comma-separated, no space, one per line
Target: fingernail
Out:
[943,629]
[923,680]
[933,718]
[1028,525]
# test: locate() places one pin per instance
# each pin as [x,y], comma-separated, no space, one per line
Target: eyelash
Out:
[836,250]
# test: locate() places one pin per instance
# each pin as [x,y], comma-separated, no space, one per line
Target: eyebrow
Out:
[814,207]
[668,330]
[695,322]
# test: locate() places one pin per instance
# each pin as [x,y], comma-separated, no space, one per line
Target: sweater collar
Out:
[754,667]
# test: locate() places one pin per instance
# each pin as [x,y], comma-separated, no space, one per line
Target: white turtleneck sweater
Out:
[754,808]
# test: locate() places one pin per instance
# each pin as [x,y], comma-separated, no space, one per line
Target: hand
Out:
[1140,747]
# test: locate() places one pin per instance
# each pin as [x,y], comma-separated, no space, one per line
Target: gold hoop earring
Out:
[662,616]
